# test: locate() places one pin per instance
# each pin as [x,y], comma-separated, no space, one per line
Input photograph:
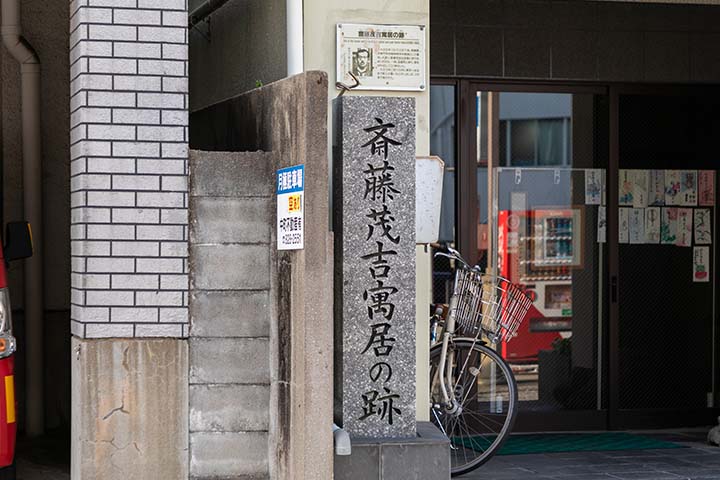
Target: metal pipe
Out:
[204,11]
[23,52]
[294,16]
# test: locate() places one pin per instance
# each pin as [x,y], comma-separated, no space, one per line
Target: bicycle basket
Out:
[488,303]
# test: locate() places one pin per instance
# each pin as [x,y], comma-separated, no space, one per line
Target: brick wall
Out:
[129,134]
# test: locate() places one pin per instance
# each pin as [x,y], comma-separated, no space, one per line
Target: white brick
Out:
[90,215]
[150,330]
[173,315]
[161,67]
[175,19]
[109,297]
[162,134]
[109,330]
[134,314]
[89,282]
[168,299]
[78,232]
[92,15]
[159,265]
[89,182]
[85,314]
[90,48]
[172,51]
[138,50]
[161,166]
[138,83]
[79,67]
[135,215]
[160,199]
[88,81]
[161,34]
[111,99]
[112,32]
[111,165]
[78,264]
[77,329]
[174,282]
[164,4]
[135,182]
[175,117]
[135,249]
[77,297]
[87,148]
[161,100]
[113,65]
[78,100]
[174,215]
[110,265]
[160,232]
[114,3]
[173,84]
[111,199]
[78,133]
[110,232]
[175,183]
[85,248]
[175,150]
[79,34]
[111,132]
[75,4]
[136,116]
[174,249]
[135,149]
[137,17]
[90,115]
[135,282]
[77,166]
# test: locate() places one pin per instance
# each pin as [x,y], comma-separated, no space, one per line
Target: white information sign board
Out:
[382,57]
[291,208]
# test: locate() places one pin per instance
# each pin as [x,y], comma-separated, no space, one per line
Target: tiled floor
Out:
[697,462]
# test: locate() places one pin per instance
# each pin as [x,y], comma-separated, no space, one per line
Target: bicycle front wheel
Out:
[485,388]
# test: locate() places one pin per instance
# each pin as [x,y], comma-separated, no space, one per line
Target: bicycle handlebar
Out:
[449,252]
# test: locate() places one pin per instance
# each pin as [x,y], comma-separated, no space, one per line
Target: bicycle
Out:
[473,392]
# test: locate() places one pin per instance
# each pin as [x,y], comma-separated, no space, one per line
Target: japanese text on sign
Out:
[290,208]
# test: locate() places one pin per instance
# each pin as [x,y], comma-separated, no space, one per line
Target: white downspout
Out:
[23,52]
[295,62]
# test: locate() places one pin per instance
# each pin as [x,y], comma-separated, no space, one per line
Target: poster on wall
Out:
[593,186]
[688,187]
[623,227]
[668,226]
[703,232]
[626,187]
[672,187]
[656,188]
[701,264]
[684,227]
[381,57]
[636,222]
[602,225]
[706,188]
[652,225]
[640,188]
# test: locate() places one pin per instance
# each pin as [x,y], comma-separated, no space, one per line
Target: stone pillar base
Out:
[425,457]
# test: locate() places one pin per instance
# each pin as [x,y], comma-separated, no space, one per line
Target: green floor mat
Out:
[569,442]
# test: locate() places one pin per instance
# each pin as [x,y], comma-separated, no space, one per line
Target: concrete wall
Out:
[130,400]
[288,118]
[244,42]
[129,168]
[602,41]
[231,213]
[320,20]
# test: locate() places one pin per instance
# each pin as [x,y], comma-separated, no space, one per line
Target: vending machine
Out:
[538,250]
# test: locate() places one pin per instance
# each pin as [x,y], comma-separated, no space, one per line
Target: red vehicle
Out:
[18,244]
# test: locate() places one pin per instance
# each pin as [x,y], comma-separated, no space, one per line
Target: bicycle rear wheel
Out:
[485,388]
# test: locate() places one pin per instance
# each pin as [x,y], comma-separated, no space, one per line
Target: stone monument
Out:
[374,225]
